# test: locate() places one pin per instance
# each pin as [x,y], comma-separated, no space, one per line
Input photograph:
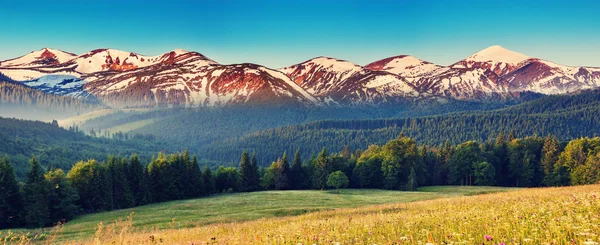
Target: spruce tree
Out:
[136,180]
[36,196]
[246,173]
[11,201]
[321,169]
[255,177]
[281,175]
[296,172]
[121,194]
[209,181]
[196,183]
[550,153]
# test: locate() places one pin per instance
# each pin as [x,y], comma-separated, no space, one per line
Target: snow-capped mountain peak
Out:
[42,57]
[496,58]
[498,54]
[404,65]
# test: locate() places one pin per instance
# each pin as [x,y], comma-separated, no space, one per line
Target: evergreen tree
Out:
[281,175]
[322,169]
[121,193]
[412,183]
[11,201]
[195,183]
[62,197]
[137,180]
[550,152]
[209,181]
[35,196]
[247,174]
[296,173]
[255,179]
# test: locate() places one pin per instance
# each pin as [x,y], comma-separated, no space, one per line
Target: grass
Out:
[241,207]
[124,128]
[567,215]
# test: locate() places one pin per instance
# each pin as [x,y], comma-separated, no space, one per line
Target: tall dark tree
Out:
[248,173]
[502,164]
[322,169]
[209,181]
[195,182]
[137,180]
[122,197]
[35,196]
[296,173]
[282,173]
[11,201]
[550,153]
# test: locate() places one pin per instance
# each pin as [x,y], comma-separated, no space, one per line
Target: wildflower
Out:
[527,240]
[488,237]
[588,242]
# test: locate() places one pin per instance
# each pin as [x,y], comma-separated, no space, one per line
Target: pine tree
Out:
[255,179]
[550,153]
[121,194]
[321,169]
[412,183]
[246,173]
[196,183]
[36,196]
[281,175]
[209,181]
[296,173]
[136,180]
[11,201]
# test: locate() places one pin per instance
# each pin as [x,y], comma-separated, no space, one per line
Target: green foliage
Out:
[484,173]
[249,173]
[11,201]
[227,179]
[368,172]
[35,196]
[399,156]
[209,181]
[461,163]
[322,168]
[282,173]
[62,197]
[337,180]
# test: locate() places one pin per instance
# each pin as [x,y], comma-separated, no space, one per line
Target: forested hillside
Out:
[21,101]
[56,147]
[566,116]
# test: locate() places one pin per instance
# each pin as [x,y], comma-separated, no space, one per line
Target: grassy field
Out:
[568,215]
[237,208]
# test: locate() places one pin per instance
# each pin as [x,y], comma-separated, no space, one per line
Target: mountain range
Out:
[183,78]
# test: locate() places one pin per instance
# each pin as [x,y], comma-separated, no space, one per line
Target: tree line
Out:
[401,164]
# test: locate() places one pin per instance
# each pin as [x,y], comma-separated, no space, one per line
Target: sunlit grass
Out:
[232,209]
[569,215]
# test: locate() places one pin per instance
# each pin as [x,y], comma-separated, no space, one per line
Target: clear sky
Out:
[284,32]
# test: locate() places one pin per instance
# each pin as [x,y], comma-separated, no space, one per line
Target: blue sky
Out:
[281,33]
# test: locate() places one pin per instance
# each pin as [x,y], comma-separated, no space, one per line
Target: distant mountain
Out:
[342,82]
[183,78]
